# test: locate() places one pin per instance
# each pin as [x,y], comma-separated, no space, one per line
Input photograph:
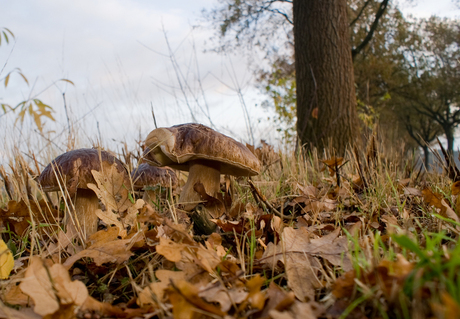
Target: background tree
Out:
[267,24]
[432,62]
[326,101]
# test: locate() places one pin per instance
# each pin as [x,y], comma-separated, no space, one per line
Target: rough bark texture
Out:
[326,101]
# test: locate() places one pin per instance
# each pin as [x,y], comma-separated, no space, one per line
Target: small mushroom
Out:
[70,173]
[204,153]
[146,176]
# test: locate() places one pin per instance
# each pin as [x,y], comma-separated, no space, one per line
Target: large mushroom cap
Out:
[177,145]
[72,170]
[147,175]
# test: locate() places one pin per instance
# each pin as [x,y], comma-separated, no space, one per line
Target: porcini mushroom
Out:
[70,173]
[146,176]
[203,152]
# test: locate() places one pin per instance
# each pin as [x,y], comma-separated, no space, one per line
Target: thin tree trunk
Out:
[426,154]
[449,132]
[326,101]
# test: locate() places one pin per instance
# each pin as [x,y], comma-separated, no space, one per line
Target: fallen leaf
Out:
[51,288]
[455,188]
[332,164]
[224,296]
[113,251]
[170,250]
[6,260]
[296,252]
[214,206]
[410,191]
[256,297]
[185,301]
[440,203]
[112,191]
[155,292]
[18,214]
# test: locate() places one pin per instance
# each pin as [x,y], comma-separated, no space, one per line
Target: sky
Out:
[126,58]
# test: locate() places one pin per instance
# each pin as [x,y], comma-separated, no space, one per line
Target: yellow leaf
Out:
[68,81]
[6,260]
[7,79]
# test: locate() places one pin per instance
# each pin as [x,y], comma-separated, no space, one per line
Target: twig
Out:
[263,199]
[153,115]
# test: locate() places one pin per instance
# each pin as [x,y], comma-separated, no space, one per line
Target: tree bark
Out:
[326,101]
[426,155]
[449,132]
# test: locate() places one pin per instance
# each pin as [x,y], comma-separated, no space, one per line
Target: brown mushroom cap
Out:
[74,169]
[177,145]
[147,175]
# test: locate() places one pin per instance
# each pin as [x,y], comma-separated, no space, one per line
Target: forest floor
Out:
[365,236]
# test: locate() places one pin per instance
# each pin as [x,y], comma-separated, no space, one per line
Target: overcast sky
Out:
[116,53]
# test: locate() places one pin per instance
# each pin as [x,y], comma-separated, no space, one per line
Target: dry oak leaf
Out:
[300,310]
[24,313]
[455,188]
[296,252]
[447,308]
[277,299]
[225,297]
[440,203]
[193,252]
[17,215]
[51,288]
[185,301]
[112,191]
[332,164]
[256,298]
[116,251]
[155,292]
[170,250]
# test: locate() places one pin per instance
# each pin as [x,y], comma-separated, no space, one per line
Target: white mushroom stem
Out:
[84,219]
[204,172]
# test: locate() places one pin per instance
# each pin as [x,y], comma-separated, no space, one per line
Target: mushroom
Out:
[204,153]
[70,173]
[145,176]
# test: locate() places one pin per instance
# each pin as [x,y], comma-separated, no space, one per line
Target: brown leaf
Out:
[410,191]
[170,250]
[51,287]
[154,293]
[225,297]
[291,251]
[447,308]
[314,113]
[439,202]
[17,215]
[278,300]
[184,299]
[296,251]
[333,164]
[256,297]
[112,190]
[111,251]
[455,188]
[213,205]
[343,286]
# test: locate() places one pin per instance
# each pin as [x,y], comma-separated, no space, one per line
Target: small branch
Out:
[263,199]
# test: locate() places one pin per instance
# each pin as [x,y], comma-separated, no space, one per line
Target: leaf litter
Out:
[305,250]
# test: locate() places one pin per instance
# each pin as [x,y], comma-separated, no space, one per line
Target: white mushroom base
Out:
[83,219]
[204,172]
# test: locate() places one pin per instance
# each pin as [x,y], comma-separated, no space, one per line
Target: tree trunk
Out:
[449,132]
[326,101]
[426,154]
